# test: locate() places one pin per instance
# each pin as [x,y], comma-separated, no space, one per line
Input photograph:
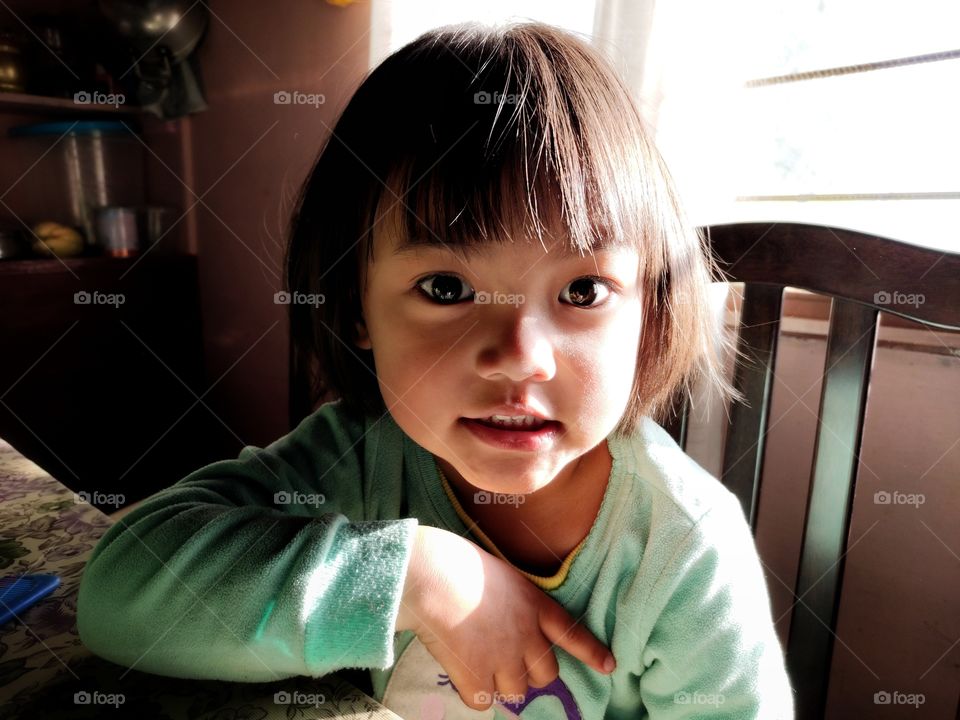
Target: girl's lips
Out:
[510,439]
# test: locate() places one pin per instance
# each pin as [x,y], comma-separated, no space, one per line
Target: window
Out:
[823,111]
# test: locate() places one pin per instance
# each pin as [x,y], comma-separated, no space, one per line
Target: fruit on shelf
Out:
[52,238]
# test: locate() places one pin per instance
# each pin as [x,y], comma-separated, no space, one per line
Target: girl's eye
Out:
[583,292]
[444,289]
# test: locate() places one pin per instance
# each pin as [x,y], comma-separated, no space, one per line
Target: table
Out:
[46,672]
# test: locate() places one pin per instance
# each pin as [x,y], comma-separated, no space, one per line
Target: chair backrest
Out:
[861,273]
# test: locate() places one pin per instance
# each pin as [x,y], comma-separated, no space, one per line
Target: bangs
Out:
[513,140]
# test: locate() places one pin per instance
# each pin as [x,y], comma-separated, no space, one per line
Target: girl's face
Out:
[558,333]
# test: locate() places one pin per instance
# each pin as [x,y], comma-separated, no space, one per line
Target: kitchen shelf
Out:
[83,263]
[32,104]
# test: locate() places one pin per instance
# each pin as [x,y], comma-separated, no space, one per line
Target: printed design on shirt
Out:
[558,689]
[419,689]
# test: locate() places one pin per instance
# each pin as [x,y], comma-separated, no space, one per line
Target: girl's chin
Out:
[517,474]
[517,486]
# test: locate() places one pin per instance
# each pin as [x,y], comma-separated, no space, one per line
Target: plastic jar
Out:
[74,167]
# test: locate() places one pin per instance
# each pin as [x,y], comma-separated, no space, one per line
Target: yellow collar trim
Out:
[541,581]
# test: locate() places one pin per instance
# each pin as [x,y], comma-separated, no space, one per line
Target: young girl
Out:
[510,294]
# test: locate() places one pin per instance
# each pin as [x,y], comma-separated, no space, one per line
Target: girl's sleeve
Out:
[254,569]
[713,651]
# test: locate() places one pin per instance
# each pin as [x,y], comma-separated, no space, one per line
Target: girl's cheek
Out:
[608,357]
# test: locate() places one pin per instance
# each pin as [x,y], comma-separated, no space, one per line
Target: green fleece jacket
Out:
[290,560]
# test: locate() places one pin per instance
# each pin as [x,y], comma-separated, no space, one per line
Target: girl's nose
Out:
[520,349]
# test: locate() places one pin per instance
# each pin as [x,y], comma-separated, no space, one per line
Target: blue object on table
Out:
[19,593]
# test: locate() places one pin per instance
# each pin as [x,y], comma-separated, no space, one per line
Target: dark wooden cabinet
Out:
[100,370]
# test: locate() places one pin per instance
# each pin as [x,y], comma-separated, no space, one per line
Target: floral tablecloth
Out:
[46,672]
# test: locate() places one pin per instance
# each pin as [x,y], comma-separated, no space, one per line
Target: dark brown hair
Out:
[471,134]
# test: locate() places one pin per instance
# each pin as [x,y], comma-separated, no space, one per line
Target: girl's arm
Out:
[249,570]
[713,651]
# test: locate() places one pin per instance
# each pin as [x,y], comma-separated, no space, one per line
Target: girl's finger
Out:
[562,630]
[512,683]
[542,666]
[479,697]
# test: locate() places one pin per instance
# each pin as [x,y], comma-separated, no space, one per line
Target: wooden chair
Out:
[767,257]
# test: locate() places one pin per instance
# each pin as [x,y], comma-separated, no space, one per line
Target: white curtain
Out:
[680,60]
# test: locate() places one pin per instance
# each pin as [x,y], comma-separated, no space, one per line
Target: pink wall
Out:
[250,156]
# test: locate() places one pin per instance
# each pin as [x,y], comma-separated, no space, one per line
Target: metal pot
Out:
[162,35]
[176,25]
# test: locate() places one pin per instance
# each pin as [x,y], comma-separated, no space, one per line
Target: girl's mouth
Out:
[528,435]
[506,422]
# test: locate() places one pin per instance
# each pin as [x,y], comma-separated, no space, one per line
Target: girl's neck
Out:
[537,535]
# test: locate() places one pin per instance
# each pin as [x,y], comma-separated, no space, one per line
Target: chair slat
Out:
[746,436]
[850,348]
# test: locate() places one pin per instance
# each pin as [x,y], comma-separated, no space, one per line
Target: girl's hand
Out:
[488,626]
